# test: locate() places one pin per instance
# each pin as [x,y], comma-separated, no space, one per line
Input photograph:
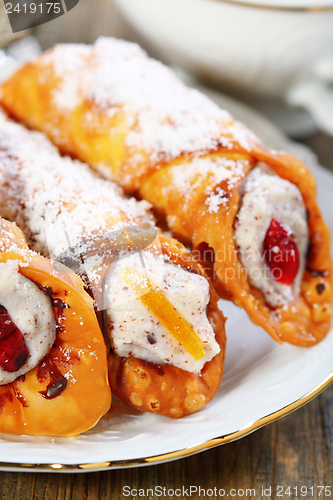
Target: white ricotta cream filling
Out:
[135,331]
[265,196]
[31,311]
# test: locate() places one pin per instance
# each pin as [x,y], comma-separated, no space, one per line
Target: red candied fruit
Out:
[281,253]
[13,350]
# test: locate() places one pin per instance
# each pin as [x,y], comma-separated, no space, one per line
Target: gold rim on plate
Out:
[174,455]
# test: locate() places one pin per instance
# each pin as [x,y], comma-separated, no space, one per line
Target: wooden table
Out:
[293,452]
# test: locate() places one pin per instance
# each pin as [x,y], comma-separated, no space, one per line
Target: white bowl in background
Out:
[254,49]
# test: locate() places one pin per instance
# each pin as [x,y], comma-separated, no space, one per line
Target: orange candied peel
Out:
[166,313]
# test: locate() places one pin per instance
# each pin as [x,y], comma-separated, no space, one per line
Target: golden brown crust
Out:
[307,319]
[164,389]
[105,242]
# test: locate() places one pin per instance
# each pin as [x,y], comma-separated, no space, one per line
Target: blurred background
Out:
[277,61]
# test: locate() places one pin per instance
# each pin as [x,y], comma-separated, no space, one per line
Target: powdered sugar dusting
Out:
[265,197]
[57,202]
[68,212]
[210,171]
[163,116]
[215,200]
[138,332]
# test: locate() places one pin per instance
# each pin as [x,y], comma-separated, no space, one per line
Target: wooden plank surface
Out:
[294,452]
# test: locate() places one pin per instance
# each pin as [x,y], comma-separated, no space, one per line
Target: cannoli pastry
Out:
[160,313]
[250,214]
[53,363]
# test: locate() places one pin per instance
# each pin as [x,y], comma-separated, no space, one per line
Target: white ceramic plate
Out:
[262,381]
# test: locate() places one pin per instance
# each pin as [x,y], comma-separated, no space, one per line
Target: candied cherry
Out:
[13,350]
[281,253]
